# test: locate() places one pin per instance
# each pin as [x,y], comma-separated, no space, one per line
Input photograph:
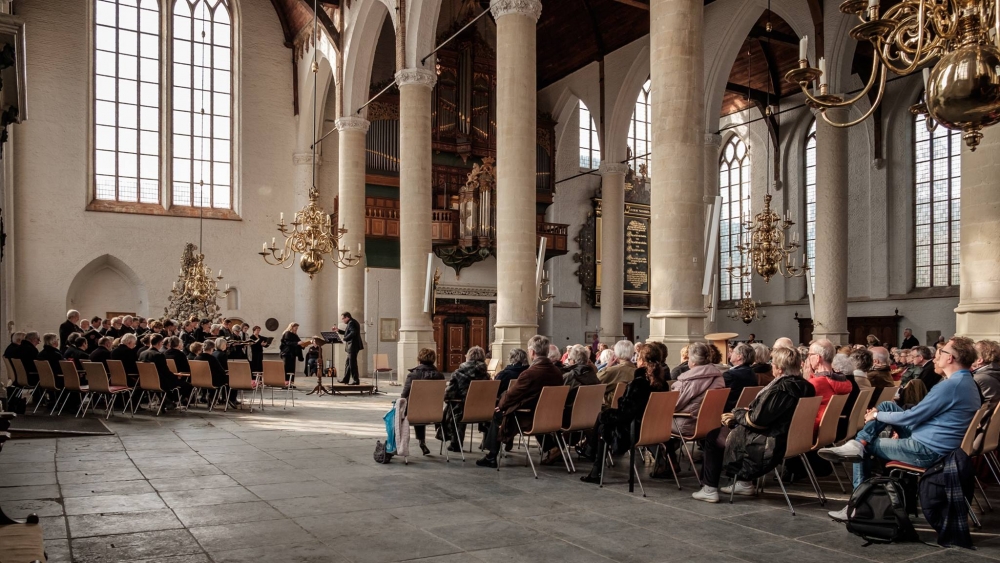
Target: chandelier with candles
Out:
[954,42]
[312,234]
[747,310]
[766,249]
[196,291]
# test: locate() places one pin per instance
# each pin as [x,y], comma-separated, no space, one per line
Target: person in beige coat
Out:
[623,372]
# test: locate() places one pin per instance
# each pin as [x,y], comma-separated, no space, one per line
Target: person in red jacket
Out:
[823,377]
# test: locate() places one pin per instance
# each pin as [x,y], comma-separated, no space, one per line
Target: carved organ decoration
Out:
[477,207]
[636,245]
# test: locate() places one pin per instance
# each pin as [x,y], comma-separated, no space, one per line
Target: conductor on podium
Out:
[354,344]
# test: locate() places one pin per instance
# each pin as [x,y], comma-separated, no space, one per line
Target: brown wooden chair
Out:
[201,379]
[881,396]
[492,367]
[897,468]
[546,419]
[825,436]
[149,383]
[117,371]
[656,429]
[273,377]
[709,418]
[97,380]
[381,365]
[856,417]
[480,402]
[21,379]
[240,379]
[747,395]
[586,408]
[799,441]
[72,384]
[619,391]
[991,439]
[171,365]
[8,377]
[47,381]
[425,404]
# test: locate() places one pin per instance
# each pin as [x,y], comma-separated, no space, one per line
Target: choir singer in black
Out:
[353,344]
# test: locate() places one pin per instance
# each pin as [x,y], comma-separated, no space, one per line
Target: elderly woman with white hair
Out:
[605,358]
[472,369]
[623,372]
[761,363]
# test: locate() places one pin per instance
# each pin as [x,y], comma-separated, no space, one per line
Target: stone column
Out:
[612,250]
[415,203]
[830,300]
[712,143]
[307,291]
[677,222]
[517,295]
[978,312]
[351,214]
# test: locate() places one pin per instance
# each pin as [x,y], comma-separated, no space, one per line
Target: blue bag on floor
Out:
[390,429]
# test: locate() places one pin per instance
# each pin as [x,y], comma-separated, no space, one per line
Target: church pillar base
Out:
[410,342]
[978,322]
[509,337]
[838,338]
[676,330]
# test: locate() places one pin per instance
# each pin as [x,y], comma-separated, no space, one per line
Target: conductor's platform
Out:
[340,389]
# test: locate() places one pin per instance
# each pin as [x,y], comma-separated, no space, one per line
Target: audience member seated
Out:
[517,362]
[581,371]
[605,358]
[522,394]
[986,373]
[175,353]
[76,351]
[68,327]
[102,353]
[624,372]
[761,363]
[472,369]
[126,353]
[921,367]
[924,434]
[740,374]
[219,377]
[222,353]
[863,362]
[425,370]
[752,442]
[557,357]
[28,353]
[681,367]
[13,350]
[702,377]
[617,426]
[194,350]
[880,375]
[783,342]
[826,380]
[50,352]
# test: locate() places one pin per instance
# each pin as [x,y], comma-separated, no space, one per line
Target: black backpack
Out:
[877,512]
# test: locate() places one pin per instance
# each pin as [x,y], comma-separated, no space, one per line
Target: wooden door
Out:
[455,343]
[628,329]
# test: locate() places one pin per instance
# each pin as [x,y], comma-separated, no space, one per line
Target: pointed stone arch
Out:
[105,284]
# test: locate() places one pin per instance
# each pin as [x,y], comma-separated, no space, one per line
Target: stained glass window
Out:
[734,187]
[810,158]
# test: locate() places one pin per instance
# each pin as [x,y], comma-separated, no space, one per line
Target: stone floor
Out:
[299,486]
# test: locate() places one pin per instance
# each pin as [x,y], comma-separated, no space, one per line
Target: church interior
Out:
[442,183]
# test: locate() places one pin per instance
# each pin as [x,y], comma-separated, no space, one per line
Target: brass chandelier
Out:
[312,234]
[768,252]
[196,291]
[962,88]
[747,310]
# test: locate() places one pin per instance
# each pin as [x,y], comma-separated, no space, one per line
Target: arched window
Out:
[129,158]
[127,101]
[938,162]
[202,103]
[811,200]
[734,187]
[640,141]
[590,145]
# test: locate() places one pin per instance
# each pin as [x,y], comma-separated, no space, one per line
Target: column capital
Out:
[530,8]
[306,159]
[608,168]
[352,123]
[714,139]
[418,76]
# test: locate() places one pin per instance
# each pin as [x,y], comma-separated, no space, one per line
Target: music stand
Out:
[319,390]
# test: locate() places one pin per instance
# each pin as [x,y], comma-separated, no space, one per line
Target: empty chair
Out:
[98,382]
[825,436]
[747,396]
[21,379]
[201,379]
[273,377]
[7,377]
[72,384]
[480,402]
[381,362]
[149,383]
[709,415]
[118,375]
[586,409]
[800,437]
[47,381]
[619,391]
[425,404]
[241,379]
[547,419]
[656,429]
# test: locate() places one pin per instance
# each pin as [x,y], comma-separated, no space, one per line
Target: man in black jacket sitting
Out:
[175,352]
[168,381]
[740,375]
[102,352]
[219,377]
[127,354]
[71,325]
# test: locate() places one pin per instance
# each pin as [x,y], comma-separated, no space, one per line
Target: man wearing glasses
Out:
[927,432]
